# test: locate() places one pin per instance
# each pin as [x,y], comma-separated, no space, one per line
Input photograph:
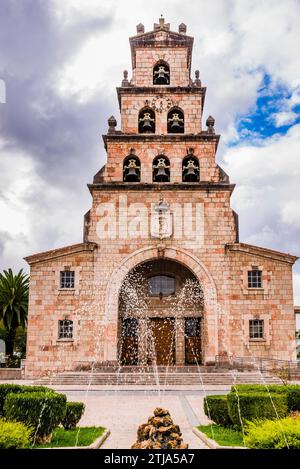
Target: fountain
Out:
[159,432]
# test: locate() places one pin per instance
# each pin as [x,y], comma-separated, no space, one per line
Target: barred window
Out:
[161,285]
[65,329]
[192,327]
[67,279]
[256,328]
[129,327]
[254,278]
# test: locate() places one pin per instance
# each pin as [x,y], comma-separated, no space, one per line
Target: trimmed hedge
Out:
[255,406]
[43,411]
[274,434]
[216,408]
[6,389]
[74,412]
[293,397]
[272,388]
[14,435]
[292,391]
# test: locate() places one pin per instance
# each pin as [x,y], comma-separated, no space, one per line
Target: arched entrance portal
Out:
[160,319]
[209,324]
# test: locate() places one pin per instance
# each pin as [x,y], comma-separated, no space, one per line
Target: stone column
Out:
[179,341]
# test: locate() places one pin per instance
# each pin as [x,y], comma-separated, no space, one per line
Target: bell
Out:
[132,175]
[175,125]
[191,175]
[161,174]
[146,127]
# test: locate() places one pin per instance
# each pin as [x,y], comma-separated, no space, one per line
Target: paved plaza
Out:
[123,411]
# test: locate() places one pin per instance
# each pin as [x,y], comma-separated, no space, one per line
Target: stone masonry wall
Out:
[273,303]
[190,104]
[48,304]
[146,58]
[118,151]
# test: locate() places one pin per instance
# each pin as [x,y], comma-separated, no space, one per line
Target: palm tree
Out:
[14,292]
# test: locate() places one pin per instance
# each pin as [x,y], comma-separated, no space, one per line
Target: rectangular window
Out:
[256,328]
[192,327]
[129,327]
[254,279]
[67,279]
[65,329]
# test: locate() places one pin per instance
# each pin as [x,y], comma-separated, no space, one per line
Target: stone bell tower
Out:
[161,104]
[161,160]
[161,211]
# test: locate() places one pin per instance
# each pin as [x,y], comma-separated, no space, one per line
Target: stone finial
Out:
[125,81]
[161,25]
[140,29]
[112,124]
[182,28]
[210,122]
[197,81]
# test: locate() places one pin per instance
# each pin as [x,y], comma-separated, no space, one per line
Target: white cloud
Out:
[33,214]
[285,118]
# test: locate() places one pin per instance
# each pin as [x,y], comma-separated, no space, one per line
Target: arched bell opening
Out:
[146,121]
[131,169]
[161,169]
[175,121]
[160,319]
[161,73]
[190,169]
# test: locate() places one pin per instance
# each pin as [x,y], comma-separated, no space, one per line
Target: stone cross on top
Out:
[162,24]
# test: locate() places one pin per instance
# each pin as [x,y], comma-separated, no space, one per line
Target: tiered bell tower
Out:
[161,191]
[161,110]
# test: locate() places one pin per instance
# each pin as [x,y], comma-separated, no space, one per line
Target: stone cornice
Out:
[56,253]
[262,252]
[158,187]
[160,90]
[169,138]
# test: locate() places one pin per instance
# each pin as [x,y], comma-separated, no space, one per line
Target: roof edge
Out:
[262,252]
[60,252]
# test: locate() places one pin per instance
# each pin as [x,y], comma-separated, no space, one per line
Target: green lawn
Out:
[223,436]
[62,437]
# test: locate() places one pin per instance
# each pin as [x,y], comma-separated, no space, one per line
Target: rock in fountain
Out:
[159,432]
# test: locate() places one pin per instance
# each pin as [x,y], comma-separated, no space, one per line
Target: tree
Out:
[14,293]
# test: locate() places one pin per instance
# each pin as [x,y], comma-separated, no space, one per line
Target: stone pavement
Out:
[122,413]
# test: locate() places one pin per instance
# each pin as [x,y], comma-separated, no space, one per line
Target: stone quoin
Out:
[201,293]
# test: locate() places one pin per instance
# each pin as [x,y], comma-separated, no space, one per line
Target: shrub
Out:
[274,434]
[17,388]
[272,388]
[253,406]
[292,392]
[74,412]
[14,435]
[43,411]
[293,397]
[215,407]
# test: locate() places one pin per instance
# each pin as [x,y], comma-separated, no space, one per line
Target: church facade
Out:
[161,276]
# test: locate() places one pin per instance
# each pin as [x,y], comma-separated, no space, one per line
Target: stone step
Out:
[146,379]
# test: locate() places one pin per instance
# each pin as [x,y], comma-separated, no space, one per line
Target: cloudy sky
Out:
[61,61]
